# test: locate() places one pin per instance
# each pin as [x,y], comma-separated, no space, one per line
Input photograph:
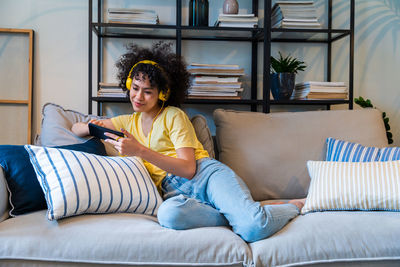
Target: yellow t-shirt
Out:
[172,129]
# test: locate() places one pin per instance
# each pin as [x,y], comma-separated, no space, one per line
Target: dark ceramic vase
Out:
[282,85]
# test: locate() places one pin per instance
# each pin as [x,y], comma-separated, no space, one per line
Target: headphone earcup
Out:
[164,96]
[128,83]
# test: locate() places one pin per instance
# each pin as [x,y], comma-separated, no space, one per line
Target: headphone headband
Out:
[162,96]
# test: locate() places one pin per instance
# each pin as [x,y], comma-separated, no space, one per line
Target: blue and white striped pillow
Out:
[353,186]
[389,153]
[339,150]
[77,183]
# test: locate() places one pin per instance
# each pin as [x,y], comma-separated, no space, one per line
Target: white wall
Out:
[61,38]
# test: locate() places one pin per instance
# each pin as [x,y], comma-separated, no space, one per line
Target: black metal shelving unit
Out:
[266,35]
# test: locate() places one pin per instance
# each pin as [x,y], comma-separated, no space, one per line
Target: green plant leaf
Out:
[286,64]
[367,104]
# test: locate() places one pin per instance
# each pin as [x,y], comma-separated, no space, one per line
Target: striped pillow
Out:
[76,183]
[389,153]
[338,150]
[353,186]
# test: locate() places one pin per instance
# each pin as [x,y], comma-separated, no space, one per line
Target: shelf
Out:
[235,101]
[224,101]
[110,99]
[179,33]
[309,102]
[187,101]
[220,33]
[308,35]
[140,31]
[143,31]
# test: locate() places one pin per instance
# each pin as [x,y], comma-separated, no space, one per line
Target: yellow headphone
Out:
[163,96]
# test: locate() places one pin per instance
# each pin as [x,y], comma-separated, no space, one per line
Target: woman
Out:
[198,191]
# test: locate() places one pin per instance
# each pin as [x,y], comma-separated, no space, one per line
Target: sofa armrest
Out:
[3,196]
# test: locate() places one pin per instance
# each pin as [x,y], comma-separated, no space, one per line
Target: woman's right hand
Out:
[98,122]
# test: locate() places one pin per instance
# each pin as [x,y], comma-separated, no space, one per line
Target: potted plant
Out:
[283,75]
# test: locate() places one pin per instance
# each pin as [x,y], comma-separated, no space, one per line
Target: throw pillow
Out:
[57,123]
[203,133]
[22,184]
[56,127]
[353,186]
[339,150]
[389,153]
[77,183]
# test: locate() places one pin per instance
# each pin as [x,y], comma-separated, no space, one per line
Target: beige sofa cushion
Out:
[334,239]
[120,240]
[270,151]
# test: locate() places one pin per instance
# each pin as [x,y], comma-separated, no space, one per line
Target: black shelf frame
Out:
[266,36]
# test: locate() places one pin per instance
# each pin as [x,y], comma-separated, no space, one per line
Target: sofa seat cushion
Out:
[338,238]
[124,238]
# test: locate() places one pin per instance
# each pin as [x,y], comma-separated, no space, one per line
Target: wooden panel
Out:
[16,76]
[13,133]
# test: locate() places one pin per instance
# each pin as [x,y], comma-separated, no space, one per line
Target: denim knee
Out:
[170,214]
[267,222]
[254,231]
[181,212]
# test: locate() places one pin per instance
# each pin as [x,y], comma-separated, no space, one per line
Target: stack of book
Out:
[294,15]
[110,90]
[132,15]
[237,20]
[320,90]
[215,81]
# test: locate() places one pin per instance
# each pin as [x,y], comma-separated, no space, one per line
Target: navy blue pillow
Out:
[25,191]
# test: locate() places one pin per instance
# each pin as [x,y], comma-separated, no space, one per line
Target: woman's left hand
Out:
[127,145]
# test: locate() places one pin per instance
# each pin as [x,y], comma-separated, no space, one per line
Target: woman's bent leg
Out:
[180,213]
[223,189]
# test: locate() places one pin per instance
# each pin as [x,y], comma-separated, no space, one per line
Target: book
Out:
[294,14]
[327,96]
[296,25]
[317,83]
[237,20]
[133,21]
[217,72]
[218,85]
[212,66]
[328,89]
[215,79]
[213,94]
[104,84]
[213,97]
[222,15]
[237,24]
[131,11]
[214,89]
[246,20]
[134,16]
[111,90]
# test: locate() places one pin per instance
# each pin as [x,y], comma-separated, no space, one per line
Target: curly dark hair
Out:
[174,75]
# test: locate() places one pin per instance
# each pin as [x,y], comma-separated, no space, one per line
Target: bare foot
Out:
[298,202]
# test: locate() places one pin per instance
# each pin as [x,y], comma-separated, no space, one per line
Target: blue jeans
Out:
[216,196]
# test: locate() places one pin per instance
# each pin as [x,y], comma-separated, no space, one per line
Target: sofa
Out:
[270,152]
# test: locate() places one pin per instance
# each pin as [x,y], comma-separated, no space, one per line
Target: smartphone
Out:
[98,131]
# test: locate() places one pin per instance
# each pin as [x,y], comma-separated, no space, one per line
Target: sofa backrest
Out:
[269,151]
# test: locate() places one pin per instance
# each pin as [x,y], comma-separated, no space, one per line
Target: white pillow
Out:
[353,186]
[76,183]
